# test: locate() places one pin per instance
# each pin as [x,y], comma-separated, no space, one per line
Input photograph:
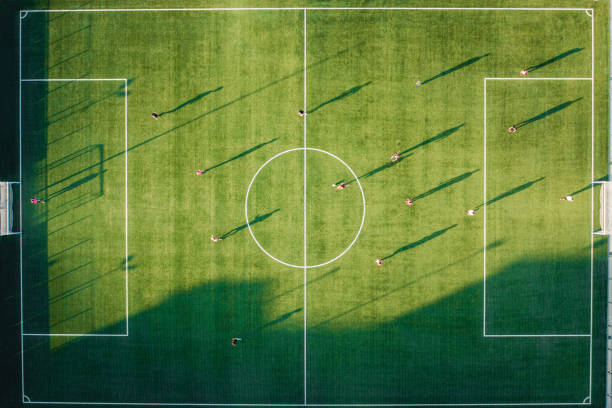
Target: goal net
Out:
[6,208]
[605,201]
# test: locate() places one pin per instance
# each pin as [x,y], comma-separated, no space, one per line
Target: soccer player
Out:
[199,172]
[511,129]
[35,200]
[215,239]
[470,213]
[418,83]
[340,186]
[394,157]
[524,72]
[302,113]
[379,262]
[155,116]
[235,341]
[408,202]
[567,198]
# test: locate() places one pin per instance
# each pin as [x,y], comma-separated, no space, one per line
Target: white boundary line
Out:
[125,81]
[538,79]
[23,396]
[305,256]
[72,80]
[24,13]
[73,335]
[308,8]
[484,255]
[127,261]
[592,16]
[537,335]
[313,405]
[246,204]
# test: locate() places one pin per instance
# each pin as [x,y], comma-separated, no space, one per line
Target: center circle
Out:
[246,208]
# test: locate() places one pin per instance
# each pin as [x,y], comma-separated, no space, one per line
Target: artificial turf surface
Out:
[227,85]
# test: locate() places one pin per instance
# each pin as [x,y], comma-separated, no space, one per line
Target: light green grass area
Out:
[227,85]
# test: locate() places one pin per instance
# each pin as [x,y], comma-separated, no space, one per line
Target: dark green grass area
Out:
[226,86]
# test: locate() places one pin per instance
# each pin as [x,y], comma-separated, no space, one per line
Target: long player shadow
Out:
[446,184]
[341,96]
[455,68]
[258,218]
[510,192]
[442,135]
[419,242]
[546,113]
[280,319]
[588,186]
[251,150]
[554,59]
[378,169]
[190,101]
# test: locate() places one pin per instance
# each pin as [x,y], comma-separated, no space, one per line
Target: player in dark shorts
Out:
[155,116]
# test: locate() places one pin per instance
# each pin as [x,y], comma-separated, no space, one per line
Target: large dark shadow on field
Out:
[35,261]
[510,192]
[437,353]
[343,95]
[180,351]
[546,113]
[419,242]
[455,68]
[242,97]
[445,184]
[554,59]
[258,218]
[442,135]
[190,101]
[248,151]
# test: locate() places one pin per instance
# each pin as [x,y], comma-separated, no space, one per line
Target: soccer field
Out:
[126,300]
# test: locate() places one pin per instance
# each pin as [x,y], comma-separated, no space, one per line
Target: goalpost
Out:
[605,200]
[6,208]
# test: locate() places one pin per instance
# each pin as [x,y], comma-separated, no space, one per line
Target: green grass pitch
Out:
[126,299]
